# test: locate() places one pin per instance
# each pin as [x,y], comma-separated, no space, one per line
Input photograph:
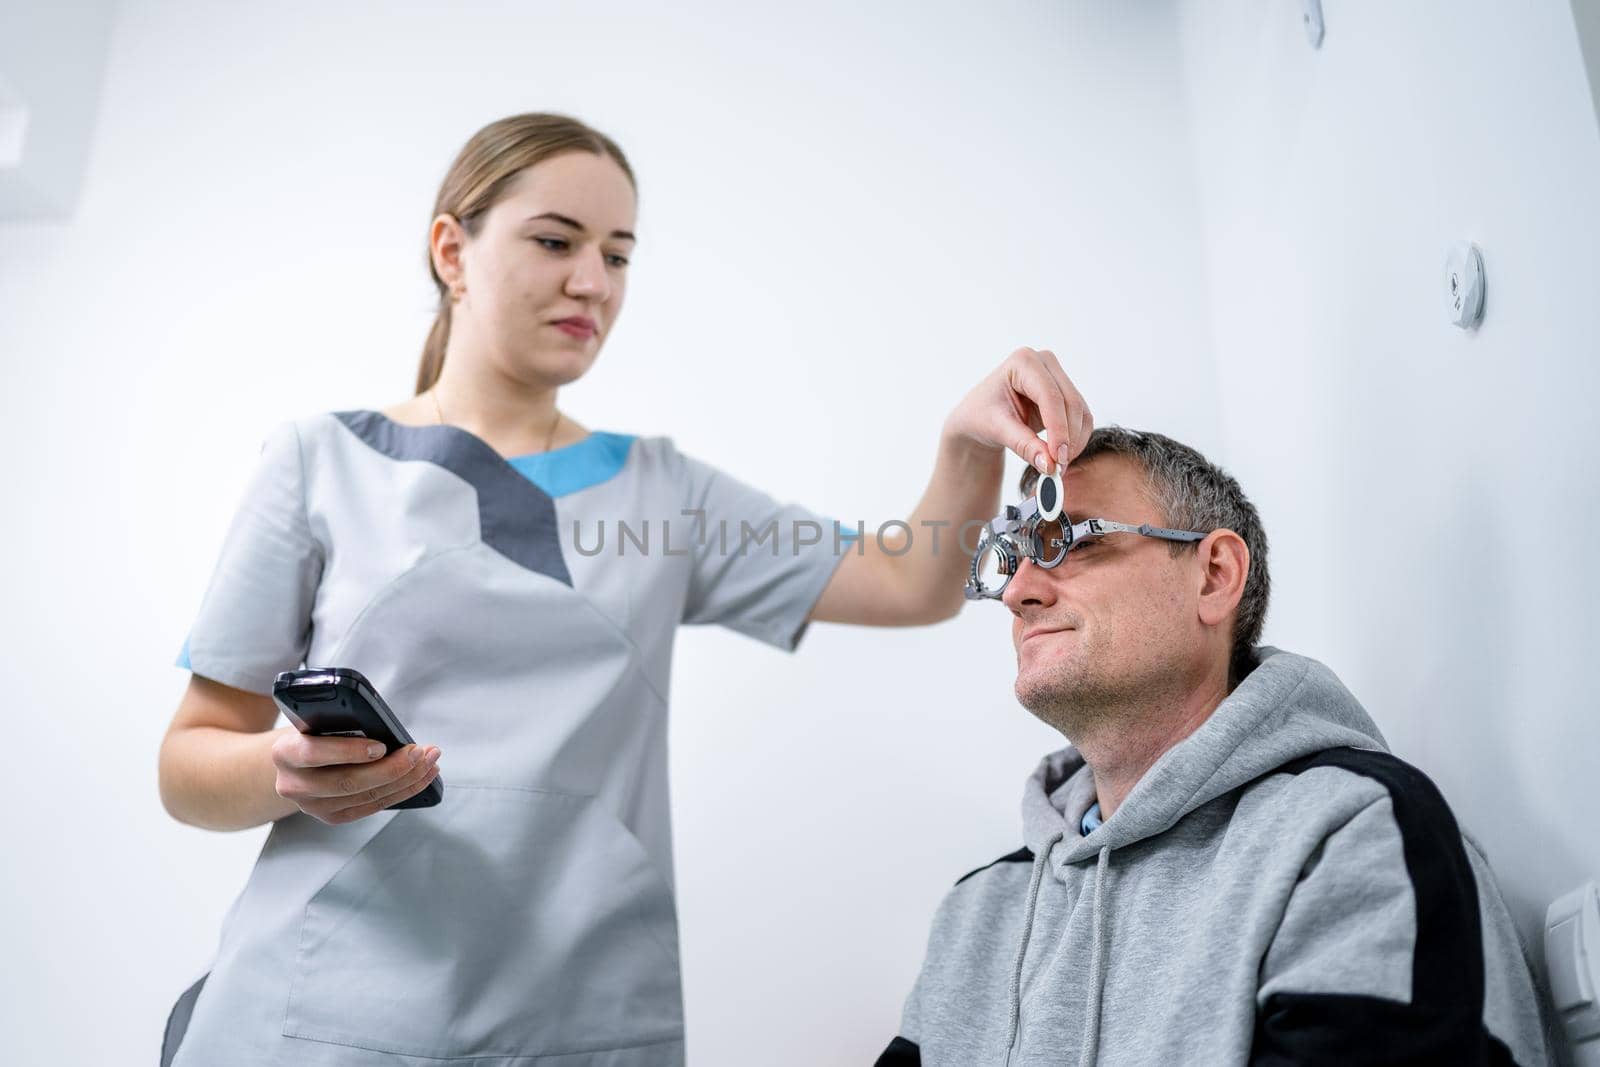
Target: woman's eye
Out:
[616,260]
[554,244]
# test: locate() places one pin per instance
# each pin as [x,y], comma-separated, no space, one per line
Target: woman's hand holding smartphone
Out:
[342,779]
[335,768]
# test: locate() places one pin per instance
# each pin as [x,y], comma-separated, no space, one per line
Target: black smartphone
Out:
[340,702]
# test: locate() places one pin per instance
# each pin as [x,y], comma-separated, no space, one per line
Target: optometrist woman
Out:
[444,547]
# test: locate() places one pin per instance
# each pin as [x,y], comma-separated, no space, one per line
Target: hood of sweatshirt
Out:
[1289,706]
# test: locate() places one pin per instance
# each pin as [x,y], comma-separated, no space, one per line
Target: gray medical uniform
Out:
[505,616]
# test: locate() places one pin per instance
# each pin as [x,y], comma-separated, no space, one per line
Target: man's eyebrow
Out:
[576,225]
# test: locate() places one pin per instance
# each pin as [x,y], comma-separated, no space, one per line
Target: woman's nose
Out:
[588,277]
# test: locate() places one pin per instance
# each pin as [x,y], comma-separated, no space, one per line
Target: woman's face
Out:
[544,278]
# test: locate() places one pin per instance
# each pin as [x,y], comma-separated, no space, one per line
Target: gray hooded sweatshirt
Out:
[1276,889]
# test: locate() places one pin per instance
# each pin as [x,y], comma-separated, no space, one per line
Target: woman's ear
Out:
[445,242]
[1224,560]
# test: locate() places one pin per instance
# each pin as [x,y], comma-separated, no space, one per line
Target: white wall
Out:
[48,100]
[1227,235]
[1429,493]
[850,213]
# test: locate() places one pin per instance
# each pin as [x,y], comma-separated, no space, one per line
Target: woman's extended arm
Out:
[895,584]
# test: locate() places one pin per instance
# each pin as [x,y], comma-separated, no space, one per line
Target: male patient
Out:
[1226,866]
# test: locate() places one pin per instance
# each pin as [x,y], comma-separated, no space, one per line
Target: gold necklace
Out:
[549,438]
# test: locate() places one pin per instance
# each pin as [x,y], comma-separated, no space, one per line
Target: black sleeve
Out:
[1442,1021]
[900,1053]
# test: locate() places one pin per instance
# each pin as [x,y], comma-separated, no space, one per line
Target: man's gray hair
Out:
[1192,493]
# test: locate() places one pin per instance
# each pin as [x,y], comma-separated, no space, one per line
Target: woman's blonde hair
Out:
[486,166]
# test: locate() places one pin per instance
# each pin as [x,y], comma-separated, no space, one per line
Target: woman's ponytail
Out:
[433,349]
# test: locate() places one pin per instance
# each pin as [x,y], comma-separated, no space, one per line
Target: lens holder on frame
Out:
[993,564]
[1050,541]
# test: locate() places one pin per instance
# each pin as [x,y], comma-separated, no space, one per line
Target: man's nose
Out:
[1032,585]
[589,279]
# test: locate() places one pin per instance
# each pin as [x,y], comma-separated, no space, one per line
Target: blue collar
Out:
[1090,821]
[597,458]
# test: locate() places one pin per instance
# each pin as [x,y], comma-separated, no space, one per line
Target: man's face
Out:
[1116,624]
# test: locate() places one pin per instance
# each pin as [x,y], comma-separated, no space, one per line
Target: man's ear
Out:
[1225,563]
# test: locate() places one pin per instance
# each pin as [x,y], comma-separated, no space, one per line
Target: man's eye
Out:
[616,260]
[554,244]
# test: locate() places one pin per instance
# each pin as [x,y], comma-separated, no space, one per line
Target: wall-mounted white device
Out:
[1463,281]
[1572,960]
[1312,17]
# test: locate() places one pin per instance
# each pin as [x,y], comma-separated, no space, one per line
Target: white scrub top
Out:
[529,918]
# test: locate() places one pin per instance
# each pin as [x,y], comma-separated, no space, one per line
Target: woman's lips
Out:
[573,328]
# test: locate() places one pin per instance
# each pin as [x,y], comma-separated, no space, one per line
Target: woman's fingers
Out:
[1036,377]
[295,750]
[1080,422]
[1024,441]
[1027,393]
[333,792]
[355,779]
[409,786]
